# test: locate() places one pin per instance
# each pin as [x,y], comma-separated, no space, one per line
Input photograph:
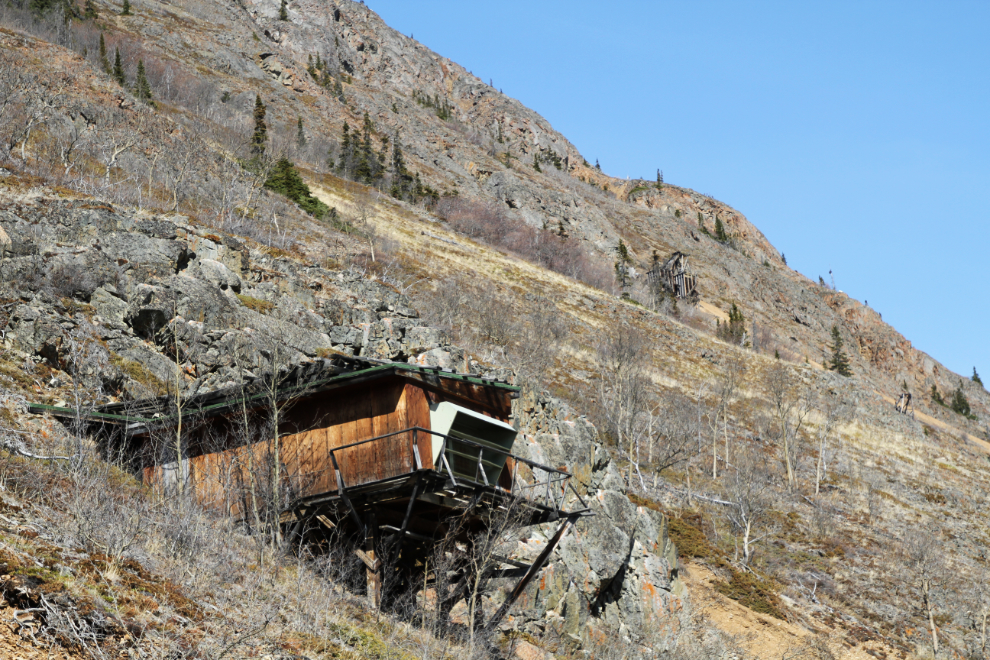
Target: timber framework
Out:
[390,454]
[672,276]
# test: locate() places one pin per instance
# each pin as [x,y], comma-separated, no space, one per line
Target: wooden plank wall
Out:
[229,479]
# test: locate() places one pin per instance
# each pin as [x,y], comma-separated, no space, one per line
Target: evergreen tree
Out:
[659,180]
[104,62]
[285,180]
[720,234]
[300,134]
[976,378]
[936,397]
[346,149]
[118,69]
[283,11]
[783,258]
[959,402]
[126,9]
[89,10]
[622,266]
[260,135]
[364,168]
[338,90]
[536,164]
[734,330]
[839,362]
[597,166]
[142,90]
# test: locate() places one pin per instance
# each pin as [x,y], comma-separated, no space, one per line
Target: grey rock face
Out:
[617,566]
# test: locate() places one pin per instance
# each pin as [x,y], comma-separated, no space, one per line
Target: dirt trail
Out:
[924,418]
[763,635]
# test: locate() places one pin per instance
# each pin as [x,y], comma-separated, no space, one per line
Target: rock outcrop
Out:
[113,299]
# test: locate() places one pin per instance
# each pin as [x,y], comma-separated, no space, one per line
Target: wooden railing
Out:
[546,487]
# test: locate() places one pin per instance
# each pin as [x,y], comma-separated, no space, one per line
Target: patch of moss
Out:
[752,591]
[644,502]
[139,373]
[256,304]
[687,534]
[363,644]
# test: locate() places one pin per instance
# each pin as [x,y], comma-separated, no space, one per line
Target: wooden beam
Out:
[534,568]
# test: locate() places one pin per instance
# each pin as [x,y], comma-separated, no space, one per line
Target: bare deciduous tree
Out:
[622,390]
[751,494]
[724,389]
[834,411]
[789,408]
[924,560]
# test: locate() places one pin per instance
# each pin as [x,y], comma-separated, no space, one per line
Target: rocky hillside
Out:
[133,225]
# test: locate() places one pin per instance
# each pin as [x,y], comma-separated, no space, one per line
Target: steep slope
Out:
[207,62]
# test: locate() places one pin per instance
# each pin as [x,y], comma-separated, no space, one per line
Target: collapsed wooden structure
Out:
[381,452]
[672,277]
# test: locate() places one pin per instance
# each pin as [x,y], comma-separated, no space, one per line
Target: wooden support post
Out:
[374,570]
[534,568]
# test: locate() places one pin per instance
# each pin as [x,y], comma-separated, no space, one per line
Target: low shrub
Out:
[489,223]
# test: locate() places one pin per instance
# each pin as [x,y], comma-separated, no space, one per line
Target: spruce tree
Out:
[659,180]
[720,234]
[89,10]
[839,362]
[622,265]
[260,135]
[300,134]
[285,180]
[976,378]
[345,150]
[597,166]
[118,69]
[283,11]
[364,169]
[536,164]
[959,402]
[734,330]
[142,90]
[936,397]
[126,9]
[104,62]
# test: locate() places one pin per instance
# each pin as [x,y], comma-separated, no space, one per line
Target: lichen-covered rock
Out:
[616,566]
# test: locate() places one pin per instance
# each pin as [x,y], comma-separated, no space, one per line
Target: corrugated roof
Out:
[301,380]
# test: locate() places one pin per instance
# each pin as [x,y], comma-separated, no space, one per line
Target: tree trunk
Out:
[787,458]
[926,590]
[715,452]
[983,631]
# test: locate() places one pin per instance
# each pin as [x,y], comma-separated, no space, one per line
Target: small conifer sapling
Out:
[118,69]
[976,378]
[260,135]
[125,10]
[283,11]
[104,62]
[142,90]
[839,362]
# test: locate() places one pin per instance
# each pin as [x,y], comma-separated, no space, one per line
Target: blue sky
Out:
[855,135]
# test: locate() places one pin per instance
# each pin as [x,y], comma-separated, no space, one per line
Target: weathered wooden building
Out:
[672,277]
[375,450]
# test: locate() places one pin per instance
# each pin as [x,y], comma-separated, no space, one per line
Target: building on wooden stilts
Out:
[393,456]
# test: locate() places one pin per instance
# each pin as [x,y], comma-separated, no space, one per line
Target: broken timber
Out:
[672,277]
